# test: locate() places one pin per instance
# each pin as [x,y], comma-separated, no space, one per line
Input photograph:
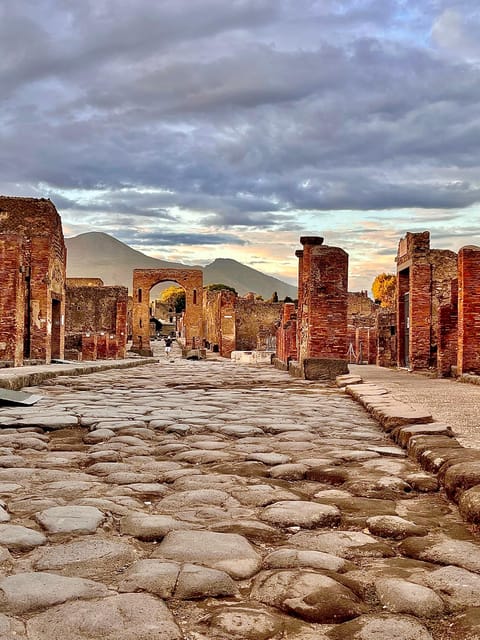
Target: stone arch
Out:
[143,280]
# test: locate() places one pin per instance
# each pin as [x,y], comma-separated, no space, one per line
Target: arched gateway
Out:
[143,280]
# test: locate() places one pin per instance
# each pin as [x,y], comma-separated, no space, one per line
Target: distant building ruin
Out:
[96,320]
[239,323]
[32,272]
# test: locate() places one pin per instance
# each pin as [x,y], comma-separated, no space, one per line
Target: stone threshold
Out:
[432,444]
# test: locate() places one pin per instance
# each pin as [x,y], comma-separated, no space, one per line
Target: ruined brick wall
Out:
[386,330]
[286,336]
[219,312]
[12,299]
[323,300]
[84,282]
[468,310]
[425,278]
[366,345]
[101,311]
[447,332]
[253,316]
[43,258]
[361,310]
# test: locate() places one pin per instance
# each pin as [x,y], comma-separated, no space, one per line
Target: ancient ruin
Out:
[236,323]
[192,327]
[438,314]
[321,320]
[32,272]
[96,320]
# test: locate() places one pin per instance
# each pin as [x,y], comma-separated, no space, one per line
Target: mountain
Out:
[98,255]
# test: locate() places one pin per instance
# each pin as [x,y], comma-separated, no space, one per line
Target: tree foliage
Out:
[383,288]
[174,297]
[219,287]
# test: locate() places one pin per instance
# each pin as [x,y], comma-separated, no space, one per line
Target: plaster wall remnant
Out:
[32,272]
[95,313]
[192,326]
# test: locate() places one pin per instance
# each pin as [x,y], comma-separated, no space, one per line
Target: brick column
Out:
[420,315]
[468,310]
[323,346]
[89,346]
[102,346]
[12,299]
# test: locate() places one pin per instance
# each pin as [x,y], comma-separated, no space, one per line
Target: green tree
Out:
[174,297]
[219,287]
[383,288]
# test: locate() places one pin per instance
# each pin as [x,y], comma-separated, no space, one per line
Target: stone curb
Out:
[432,444]
[16,379]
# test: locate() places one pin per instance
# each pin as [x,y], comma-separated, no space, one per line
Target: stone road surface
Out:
[208,500]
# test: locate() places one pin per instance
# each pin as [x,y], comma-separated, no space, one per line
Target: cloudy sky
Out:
[196,129]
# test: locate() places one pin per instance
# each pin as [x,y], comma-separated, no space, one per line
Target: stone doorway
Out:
[143,281]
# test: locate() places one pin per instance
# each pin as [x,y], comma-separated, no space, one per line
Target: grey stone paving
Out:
[209,500]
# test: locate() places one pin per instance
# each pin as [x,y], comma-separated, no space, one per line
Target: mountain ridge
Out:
[98,255]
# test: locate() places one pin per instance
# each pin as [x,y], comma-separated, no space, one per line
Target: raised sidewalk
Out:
[435,420]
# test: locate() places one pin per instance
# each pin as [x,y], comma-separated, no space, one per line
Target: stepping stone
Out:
[25,592]
[299,513]
[223,551]
[130,616]
[70,519]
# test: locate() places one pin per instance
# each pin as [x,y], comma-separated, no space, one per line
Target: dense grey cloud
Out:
[243,113]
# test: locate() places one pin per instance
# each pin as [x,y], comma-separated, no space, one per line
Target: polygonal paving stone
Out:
[224,551]
[26,592]
[70,519]
[381,626]
[132,616]
[302,514]
[20,538]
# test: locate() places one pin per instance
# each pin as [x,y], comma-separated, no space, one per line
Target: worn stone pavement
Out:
[207,500]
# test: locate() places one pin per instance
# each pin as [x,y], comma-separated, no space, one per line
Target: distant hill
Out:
[98,255]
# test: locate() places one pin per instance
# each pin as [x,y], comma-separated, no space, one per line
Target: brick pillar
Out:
[112,347]
[121,328]
[301,319]
[102,346]
[447,337]
[89,346]
[323,346]
[287,334]
[468,310]
[420,315]
[12,299]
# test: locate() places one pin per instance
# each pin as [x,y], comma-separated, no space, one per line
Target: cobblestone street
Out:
[206,500]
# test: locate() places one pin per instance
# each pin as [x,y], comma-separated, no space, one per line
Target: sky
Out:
[201,129]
